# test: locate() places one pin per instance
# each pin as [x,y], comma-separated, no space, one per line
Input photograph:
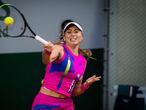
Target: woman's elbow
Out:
[76,93]
[45,59]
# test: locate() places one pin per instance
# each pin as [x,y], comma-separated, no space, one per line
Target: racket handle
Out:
[41,40]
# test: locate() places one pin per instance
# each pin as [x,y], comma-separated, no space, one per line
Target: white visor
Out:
[74,23]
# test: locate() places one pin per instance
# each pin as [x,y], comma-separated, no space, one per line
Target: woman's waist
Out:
[52,93]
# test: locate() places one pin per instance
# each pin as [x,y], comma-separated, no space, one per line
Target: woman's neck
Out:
[74,49]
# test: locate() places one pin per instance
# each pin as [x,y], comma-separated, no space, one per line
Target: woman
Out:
[64,72]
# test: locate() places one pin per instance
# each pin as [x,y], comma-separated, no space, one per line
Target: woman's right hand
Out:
[56,53]
[52,53]
[49,47]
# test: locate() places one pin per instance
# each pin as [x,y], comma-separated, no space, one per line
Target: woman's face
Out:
[73,36]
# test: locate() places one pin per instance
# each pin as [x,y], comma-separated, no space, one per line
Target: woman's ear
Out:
[64,39]
[82,37]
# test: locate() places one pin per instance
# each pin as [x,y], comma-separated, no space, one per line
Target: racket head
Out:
[18,27]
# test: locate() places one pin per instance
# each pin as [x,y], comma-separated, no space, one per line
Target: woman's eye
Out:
[76,31]
[68,32]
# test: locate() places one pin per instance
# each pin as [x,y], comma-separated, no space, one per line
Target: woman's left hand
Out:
[93,79]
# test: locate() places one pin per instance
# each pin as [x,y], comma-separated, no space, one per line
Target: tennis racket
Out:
[19,26]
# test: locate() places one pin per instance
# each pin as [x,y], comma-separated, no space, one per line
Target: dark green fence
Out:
[21,76]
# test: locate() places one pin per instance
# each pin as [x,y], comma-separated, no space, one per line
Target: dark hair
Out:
[63,24]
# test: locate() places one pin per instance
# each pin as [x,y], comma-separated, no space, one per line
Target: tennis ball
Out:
[8,21]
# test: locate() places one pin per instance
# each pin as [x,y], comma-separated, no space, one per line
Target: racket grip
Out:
[41,40]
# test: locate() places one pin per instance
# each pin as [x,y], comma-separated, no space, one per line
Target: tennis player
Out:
[65,67]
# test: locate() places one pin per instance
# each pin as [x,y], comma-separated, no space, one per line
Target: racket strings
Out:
[25,22]
[20,25]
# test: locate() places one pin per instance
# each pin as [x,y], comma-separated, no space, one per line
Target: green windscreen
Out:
[21,76]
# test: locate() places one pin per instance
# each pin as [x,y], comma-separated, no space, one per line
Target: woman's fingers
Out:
[93,79]
[98,78]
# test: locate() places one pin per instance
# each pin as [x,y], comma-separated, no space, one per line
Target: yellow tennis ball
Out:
[8,21]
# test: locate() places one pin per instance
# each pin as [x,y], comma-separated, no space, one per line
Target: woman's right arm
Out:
[45,56]
[52,54]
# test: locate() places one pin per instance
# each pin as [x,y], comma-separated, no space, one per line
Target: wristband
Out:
[47,52]
[85,86]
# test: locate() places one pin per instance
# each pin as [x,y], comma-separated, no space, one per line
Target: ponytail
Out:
[87,53]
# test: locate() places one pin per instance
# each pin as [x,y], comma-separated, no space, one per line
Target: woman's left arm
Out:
[82,87]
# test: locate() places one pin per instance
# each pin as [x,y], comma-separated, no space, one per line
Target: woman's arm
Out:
[82,87]
[51,54]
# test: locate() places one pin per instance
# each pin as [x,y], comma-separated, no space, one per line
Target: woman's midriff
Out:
[51,93]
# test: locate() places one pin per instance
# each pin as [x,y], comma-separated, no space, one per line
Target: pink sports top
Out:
[62,75]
